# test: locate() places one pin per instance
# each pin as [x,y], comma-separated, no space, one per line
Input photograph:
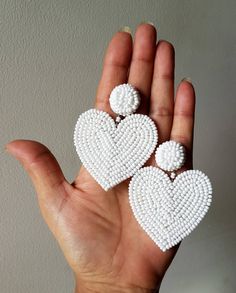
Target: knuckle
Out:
[162,112]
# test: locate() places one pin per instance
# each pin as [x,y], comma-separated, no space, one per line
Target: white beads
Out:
[170,155]
[113,153]
[172,175]
[169,211]
[124,99]
[118,119]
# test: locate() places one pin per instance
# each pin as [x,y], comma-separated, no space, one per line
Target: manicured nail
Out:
[147,22]
[151,23]
[188,79]
[125,29]
[5,149]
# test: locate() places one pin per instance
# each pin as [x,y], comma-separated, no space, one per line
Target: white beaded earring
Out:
[113,151]
[169,207]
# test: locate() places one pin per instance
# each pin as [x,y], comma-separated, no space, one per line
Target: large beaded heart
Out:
[112,153]
[169,211]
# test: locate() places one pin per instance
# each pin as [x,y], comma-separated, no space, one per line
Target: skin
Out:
[101,240]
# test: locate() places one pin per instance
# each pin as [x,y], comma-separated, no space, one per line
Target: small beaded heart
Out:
[169,211]
[113,152]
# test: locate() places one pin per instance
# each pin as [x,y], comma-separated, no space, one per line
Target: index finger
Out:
[115,68]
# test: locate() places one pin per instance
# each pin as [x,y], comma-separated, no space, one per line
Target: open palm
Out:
[97,232]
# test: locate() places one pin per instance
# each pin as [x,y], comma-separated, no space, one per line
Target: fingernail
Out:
[148,22]
[125,29]
[151,23]
[5,149]
[10,152]
[188,79]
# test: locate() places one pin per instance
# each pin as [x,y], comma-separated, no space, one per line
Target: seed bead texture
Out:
[170,155]
[124,99]
[113,152]
[169,211]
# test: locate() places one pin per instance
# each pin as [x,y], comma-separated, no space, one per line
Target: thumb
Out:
[41,166]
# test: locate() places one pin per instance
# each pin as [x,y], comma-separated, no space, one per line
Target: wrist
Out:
[111,288]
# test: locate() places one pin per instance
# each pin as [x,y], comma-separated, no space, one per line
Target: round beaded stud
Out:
[124,99]
[169,208]
[113,151]
[170,155]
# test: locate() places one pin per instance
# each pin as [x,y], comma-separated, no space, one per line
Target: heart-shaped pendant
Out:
[169,211]
[113,152]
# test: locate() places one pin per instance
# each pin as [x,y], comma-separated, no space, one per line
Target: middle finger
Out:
[142,63]
[162,94]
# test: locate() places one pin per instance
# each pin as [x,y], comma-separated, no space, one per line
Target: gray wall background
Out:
[50,63]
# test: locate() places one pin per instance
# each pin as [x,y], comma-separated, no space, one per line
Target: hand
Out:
[96,230]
